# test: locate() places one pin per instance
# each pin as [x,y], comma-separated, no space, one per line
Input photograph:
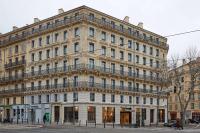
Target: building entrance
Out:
[56,113]
[125,116]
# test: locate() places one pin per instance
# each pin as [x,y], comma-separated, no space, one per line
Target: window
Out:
[48,53]
[16,49]
[103,50]
[144,75]
[39,99]
[129,57]
[47,98]
[157,64]
[121,99]
[75,96]
[157,52]
[91,32]
[14,100]
[56,51]
[130,44]
[103,64]
[40,55]
[65,35]
[65,50]
[47,84]
[151,51]
[113,67]
[91,63]
[32,99]
[137,72]
[112,38]
[103,82]
[129,71]
[55,97]
[76,61]
[92,97]
[121,41]
[151,100]
[157,40]
[103,97]
[129,86]
[144,100]
[112,83]
[112,98]
[137,59]
[91,113]
[64,82]
[56,37]
[32,44]
[144,113]
[76,47]
[76,32]
[48,40]
[137,46]
[103,36]
[121,27]
[121,69]
[40,41]
[144,48]
[137,100]
[91,81]
[113,24]
[130,99]
[91,16]
[192,105]
[65,97]
[151,62]
[121,84]
[55,83]
[32,57]
[144,60]
[91,47]
[22,100]
[112,53]
[121,55]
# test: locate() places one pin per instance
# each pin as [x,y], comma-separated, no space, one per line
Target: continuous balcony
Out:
[5,80]
[93,69]
[76,86]
[11,65]
[79,19]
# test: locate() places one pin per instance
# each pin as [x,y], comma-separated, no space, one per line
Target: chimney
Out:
[15,27]
[36,20]
[126,19]
[60,11]
[140,24]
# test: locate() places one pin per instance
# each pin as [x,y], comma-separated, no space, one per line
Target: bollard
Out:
[86,123]
[104,124]
[57,122]
[27,121]
[38,121]
[79,123]
[17,120]
[22,120]
[113,125]
[95,123]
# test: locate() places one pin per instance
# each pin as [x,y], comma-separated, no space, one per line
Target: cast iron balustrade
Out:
[12,78]
[76,85]
[15,64]
[78,19]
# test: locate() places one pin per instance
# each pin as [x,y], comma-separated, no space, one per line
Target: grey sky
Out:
[160,16]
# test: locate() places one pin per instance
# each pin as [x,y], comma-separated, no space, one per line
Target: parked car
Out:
[171,123]
[193,121]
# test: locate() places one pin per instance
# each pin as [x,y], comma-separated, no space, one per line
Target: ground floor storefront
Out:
[86,113]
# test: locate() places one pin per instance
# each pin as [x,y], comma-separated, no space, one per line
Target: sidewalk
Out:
[18,126]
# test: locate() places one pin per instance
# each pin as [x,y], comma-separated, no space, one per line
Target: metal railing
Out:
[80,18]
[87,67]
[75,85]
[15,64]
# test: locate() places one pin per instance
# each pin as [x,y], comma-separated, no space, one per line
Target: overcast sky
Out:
[163,17]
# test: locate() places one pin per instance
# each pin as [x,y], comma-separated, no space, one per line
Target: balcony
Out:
[79,19]
[15,64]
[18,77]
[77,85]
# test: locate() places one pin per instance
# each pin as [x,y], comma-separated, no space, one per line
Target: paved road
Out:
[97,130]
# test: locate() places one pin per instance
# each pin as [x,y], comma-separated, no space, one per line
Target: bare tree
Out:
[190,67]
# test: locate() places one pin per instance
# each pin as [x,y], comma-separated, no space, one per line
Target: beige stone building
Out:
[82,65]
[193,109]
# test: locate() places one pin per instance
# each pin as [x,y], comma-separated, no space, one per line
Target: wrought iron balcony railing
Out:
[15,64]
[80,18]
[76,85]
[79,67]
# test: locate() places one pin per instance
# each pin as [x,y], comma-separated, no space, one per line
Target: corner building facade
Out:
[82,65]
